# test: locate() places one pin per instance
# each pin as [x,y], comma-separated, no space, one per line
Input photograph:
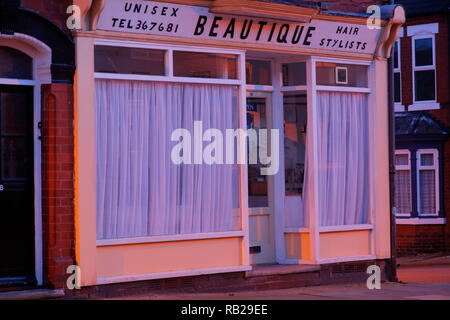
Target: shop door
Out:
[16,186]
[260,201]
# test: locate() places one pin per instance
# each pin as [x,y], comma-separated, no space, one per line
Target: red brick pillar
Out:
[57,182]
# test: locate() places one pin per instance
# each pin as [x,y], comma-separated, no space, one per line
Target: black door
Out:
[16,186]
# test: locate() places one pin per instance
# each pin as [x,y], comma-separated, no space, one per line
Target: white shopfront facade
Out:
[145,69]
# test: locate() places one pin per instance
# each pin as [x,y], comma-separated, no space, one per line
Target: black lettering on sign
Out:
[200,27]
[272,31]
[261,26]
[308,35]
[245,33]
[215,25]
[282,33]
[297,34]
[230,29]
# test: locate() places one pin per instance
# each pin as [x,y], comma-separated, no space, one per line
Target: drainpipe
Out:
[392,267]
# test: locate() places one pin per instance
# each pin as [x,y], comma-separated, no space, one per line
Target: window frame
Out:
[169,67]
[417,32]
[409,168]
[434,167]
[240,82]
[398,104]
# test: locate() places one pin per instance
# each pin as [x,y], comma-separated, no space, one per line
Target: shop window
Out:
[294,74]
[258,72]
[140,190]
[397,73]
[204,65]
[343,158]
[126,60]
[402,197]
[15,64]
[428,182]
[344,75]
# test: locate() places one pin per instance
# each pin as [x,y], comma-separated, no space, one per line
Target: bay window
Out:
[402,197]
[417,184]
[428,182]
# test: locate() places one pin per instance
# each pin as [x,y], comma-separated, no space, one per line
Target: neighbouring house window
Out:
[402,197]
[343,158]
[397,73]
[417,186]
[424,69]
[428,182]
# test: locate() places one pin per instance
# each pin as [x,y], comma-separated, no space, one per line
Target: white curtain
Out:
[343,158]
[140,191]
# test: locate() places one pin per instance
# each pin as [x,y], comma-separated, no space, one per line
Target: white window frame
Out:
[405,167]
[417,32]
[398,106]
[240,82]
[314,220]
[434,167]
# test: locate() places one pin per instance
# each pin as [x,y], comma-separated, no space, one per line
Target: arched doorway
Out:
[25,67]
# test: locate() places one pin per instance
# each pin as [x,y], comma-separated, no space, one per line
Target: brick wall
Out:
[53,10]
[57,181]
[413,239]
[356,6]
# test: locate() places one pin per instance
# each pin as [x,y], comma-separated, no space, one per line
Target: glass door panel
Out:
[295,115]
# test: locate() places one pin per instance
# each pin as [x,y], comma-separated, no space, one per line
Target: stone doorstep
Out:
[277,269]
[33,294]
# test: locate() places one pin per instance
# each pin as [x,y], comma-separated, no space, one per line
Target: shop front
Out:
[212,137]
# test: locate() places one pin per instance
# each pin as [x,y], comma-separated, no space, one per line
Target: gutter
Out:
[391,269]
[395,14]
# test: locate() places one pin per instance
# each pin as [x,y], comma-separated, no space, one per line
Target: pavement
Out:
[358,291]
[422,277]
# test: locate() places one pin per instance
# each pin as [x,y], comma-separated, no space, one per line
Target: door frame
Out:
[266,211]
[41,56]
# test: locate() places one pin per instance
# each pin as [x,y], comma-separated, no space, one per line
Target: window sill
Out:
[399,107]
[417,221]
[424,106]
[170,238]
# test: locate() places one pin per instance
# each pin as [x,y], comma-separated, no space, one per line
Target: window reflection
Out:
[294,142]
[257,183]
